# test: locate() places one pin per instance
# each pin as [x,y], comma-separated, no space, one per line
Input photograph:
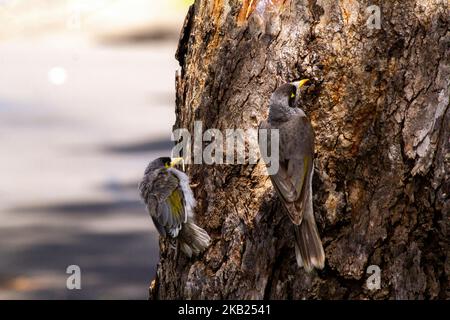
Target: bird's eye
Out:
[292,99]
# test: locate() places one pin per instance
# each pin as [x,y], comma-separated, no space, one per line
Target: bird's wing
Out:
[169,213]
[295,166]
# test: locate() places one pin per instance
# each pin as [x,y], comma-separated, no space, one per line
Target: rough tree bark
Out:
[380,110]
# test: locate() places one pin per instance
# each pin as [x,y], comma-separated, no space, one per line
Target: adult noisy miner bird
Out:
[170,203]
[293,181]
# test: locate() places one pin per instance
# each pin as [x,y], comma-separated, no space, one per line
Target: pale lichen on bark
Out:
[380,110]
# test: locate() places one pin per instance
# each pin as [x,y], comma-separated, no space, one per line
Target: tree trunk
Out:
[380,111]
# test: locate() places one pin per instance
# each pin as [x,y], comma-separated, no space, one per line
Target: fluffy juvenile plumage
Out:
[293,181]
[170,203]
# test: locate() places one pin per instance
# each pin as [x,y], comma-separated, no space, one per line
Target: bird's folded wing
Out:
[294,168]
[170,213]
[290,183]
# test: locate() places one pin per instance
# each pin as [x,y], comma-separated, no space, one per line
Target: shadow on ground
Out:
[144,146]
[115,263]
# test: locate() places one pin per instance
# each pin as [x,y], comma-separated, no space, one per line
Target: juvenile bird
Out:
[170,203]
[293,181]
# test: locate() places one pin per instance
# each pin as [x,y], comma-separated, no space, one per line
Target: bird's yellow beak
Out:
[175,161]
[301,83]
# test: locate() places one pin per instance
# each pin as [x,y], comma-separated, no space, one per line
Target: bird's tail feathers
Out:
[308,246]
[193,239]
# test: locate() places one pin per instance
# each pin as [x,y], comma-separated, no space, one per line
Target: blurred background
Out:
[86,101]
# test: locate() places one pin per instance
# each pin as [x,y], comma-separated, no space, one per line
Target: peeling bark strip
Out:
[380,110]
[260,6]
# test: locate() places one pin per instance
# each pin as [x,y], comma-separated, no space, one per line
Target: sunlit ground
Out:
[80,117]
